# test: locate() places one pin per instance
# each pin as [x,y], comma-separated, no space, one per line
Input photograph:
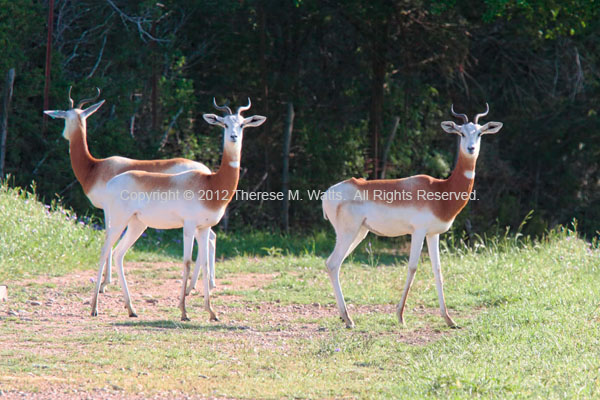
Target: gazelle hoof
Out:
[185,319]
[451,324]
[349,323]
[133,315]
[94,313]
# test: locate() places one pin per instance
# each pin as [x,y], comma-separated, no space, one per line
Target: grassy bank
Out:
[529,312]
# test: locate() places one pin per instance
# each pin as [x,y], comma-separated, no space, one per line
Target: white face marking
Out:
[470,139]
[470,174]
[72,122]
[233,128]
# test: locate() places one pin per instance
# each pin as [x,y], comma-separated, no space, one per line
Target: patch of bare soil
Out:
[63,307]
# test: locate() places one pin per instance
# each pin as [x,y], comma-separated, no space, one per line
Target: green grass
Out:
[529,311]
[37,239]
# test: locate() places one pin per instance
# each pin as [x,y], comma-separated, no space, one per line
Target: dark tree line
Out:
[354,72]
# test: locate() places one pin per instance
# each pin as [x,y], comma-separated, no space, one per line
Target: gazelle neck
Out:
[227,177]
[82,161]
[464,170]
[460,184]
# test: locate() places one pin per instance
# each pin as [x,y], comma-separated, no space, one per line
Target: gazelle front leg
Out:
[212,243]
[135,228]
[188,245]
[212,251]
[203,236]
[433,245]
[108,266]
[416,245]
[112,235]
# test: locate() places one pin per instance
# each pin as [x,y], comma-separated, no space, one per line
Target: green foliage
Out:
[552,18]
[534,61]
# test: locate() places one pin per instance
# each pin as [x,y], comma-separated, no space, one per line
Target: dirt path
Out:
[61,305]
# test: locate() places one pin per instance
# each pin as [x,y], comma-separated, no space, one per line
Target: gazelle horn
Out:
[244,108]
[71,102]
[487,110]
[222,108]
[463,116]
[85,101]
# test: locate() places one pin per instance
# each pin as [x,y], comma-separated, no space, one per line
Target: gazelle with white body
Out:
[93,173]
[420,206]
[198,202]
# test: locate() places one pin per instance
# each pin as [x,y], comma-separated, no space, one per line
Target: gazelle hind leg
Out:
[433,243]
[346,242]
[416,245]
[134,229]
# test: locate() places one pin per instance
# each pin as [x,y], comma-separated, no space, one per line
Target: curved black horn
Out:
[85,101]
[244,108]
[487,110]
[71,102]
[463,116]
[222,108]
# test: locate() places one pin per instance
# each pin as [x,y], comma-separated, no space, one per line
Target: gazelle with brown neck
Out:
[196,201]
[93,173]
[421,206]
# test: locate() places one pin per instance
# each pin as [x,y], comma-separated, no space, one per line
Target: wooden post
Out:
[285,176]
[48,58]
[8,89]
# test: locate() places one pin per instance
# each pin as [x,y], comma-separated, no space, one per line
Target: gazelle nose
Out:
[471,149]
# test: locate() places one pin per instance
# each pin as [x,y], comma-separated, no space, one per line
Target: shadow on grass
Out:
[167,243]
[168,324]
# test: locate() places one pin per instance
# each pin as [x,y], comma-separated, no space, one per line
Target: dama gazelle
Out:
[419,205]
[93,173]
[196,202]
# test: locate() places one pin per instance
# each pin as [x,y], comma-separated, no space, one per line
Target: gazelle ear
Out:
[56,113]
[91,109]
[491,127]
[450,127]
[214,119]
[253,121]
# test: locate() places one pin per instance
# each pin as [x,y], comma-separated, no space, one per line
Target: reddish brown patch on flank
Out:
[447,195]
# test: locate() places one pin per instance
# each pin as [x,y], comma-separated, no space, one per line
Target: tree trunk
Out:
[265,138]
[376,110]
[378,68]
[388,145]
[154,81]
[285,178]
[8,88]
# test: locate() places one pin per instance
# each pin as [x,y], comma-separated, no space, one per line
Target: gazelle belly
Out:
[386,220]
[159,216]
